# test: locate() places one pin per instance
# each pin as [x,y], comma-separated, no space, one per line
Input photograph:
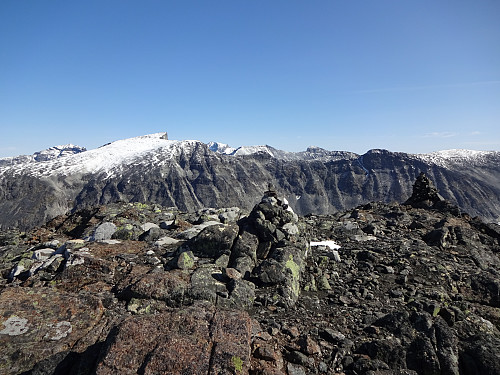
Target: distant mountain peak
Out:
[51,153]
[315,149]
[56,152]
[221,148]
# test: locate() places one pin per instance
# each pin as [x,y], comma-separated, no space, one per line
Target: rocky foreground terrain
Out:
[133,288]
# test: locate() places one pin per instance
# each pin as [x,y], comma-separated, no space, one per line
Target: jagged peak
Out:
[315,149]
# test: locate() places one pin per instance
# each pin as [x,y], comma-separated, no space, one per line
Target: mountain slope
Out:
[190,175]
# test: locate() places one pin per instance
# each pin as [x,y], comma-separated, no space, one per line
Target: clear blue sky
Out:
[413,75]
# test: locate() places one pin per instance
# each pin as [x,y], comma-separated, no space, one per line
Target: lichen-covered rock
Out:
[37,323]
[185,260]
[283,269]
[214,241]
[200,340]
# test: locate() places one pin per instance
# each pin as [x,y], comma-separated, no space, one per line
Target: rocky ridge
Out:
[191,175]
[130,288]
[51,153]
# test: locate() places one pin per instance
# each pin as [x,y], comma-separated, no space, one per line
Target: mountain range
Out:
[190,175]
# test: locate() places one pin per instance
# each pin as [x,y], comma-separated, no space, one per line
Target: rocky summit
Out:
[138,288]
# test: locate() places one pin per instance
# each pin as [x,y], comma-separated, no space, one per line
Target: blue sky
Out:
[413,76]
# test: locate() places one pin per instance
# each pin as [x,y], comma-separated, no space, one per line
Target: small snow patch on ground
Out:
[331,244]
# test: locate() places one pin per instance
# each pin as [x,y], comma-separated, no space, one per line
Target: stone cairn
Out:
[275,254]
[425,195]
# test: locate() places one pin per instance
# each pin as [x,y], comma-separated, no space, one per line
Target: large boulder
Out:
[42,323]
[200,340]
[214,241]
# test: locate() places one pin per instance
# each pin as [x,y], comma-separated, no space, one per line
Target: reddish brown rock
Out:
[166,286]
[309,346]
[37,323]
[194,340]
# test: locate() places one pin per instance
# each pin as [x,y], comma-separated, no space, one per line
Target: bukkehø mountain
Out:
[190,175]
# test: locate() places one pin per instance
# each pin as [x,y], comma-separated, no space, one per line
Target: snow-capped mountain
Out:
[108,160]
[191,174]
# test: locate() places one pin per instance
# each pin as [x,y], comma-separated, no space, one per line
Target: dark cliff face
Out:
[198,177]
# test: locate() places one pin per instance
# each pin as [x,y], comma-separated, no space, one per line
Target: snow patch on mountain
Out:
[221,148]
[250,150]
[458,156]
[225,149]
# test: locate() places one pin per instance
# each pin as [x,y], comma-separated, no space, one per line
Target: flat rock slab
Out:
[196,340]
[37,323]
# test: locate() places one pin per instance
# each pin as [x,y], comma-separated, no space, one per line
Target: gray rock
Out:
[153,234]
[222,261]
[241,294]
[166,224]
[147,226]
[165,241]
[230,215]
[196,229]
[295,369]
[104,231]
[245,265]
[43,254]
[298,358]
[214,241]
[332,335]
[291,229]
[244,253]
[206,284]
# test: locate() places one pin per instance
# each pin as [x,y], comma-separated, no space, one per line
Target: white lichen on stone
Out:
[15,326]
[59,330]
